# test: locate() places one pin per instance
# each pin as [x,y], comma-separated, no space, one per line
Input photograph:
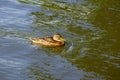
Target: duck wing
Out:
[49,39]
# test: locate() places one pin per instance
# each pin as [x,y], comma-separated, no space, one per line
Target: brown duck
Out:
[54,41]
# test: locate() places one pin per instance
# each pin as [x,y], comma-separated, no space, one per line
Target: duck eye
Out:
[58,38]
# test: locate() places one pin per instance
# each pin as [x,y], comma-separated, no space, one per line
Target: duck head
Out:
[58,37]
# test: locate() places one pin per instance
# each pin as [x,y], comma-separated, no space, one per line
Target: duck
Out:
[55,41]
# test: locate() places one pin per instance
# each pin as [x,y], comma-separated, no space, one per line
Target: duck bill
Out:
[63,39]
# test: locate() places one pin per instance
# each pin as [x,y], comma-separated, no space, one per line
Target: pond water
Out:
[91,29]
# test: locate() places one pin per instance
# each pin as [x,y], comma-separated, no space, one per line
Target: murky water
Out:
[91,29]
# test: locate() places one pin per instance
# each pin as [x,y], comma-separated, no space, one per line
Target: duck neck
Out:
[62,42]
